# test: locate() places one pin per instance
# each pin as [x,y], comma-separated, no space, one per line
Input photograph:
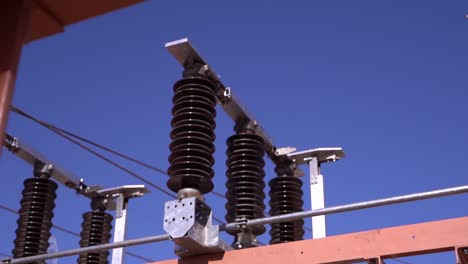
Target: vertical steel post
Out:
[120,228]
[14,24]
[317,199]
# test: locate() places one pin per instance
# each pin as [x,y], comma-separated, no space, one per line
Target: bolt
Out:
[465,251]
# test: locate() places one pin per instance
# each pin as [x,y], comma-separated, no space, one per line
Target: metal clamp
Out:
[189,223]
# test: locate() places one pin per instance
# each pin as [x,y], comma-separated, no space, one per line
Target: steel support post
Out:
[14,23]
[317,199]
[120,229]
[120,195]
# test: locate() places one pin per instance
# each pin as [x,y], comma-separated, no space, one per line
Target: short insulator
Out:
[35,217]
[193,123]
[245,182]
[285,198]
[96,230]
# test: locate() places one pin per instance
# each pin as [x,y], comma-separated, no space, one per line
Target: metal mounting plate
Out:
[189,223]
[322,155]
[128,191]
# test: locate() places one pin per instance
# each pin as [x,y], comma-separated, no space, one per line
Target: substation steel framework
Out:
[23,21]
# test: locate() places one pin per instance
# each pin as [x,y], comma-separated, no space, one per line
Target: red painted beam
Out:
[14,24]
[400,241]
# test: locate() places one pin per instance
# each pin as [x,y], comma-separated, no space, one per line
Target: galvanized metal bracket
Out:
[188,221]
[244,238]
[121,195]
[34,157]
[314,158]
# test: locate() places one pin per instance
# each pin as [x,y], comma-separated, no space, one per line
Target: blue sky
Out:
[385,80]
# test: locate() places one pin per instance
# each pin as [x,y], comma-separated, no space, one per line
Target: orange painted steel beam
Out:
[14,24]
[50,17]
[400,241]
[22,21]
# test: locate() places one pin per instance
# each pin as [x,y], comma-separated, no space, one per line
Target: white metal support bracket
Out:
[317,199]
[121,195]
[120,229]
[313,158]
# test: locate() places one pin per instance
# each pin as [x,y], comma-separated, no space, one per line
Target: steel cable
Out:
[99,155]
[56,129]
[63,133]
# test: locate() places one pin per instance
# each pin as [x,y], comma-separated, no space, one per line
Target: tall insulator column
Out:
[36,213]
[285,198]
[96,230]
[245,185]
[193,123]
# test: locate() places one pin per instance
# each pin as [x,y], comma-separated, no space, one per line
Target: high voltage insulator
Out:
[36,213]
[192,134]
[96,230]
[245,185]
[285,198]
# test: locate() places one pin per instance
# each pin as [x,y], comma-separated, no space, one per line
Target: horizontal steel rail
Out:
[76,251]
[259,221]
[351,207]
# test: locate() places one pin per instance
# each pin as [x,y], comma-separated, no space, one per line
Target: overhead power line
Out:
[400,261]
[68,136]
[65,230]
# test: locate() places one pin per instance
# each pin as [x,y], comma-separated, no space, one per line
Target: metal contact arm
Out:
[32,156]
[186,55]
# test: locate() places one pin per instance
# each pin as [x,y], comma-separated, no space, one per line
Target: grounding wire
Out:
[65,230]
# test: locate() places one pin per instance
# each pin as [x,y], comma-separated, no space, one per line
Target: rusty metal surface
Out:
[50,17]
[462,254]
[409,240]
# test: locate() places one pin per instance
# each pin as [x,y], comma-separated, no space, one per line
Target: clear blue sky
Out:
[385,80]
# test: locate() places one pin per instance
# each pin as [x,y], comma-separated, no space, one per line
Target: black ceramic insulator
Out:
[96,230]
[285,198]
[245,182]
[35,217]
[193,123]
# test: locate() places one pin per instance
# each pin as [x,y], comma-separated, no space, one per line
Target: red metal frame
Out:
[14,24]
[22,21]
[372,246]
